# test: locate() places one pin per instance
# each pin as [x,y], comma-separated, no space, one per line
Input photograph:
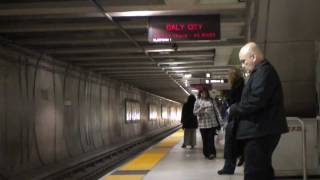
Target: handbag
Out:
[216,113]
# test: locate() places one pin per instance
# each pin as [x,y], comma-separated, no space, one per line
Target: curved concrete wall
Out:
[318,76]
[288,31]
[50,113]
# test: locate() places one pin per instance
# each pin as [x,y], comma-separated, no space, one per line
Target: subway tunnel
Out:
[84,82]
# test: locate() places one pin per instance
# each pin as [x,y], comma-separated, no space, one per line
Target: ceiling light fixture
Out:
[186,83]
[179,71]
[161,40]
[194,90]
[175,67]
[187,76]
[217,81]
[134,13]
[160,50]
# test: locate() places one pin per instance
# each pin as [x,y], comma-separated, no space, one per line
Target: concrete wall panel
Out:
[32,149]
[293,61]
[61,151]
[71,118]
[51,114]
[2,112]
[13,116]
[287,20]
[104,115]
[261,21]
[44,123]
[318,74]
[287,31]
[299,98]
[96,115]
[294,20]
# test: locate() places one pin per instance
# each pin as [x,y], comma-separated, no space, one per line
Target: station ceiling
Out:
[109,38]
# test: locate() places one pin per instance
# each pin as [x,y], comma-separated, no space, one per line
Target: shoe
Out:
[211,156]
[183,146]
[224,171]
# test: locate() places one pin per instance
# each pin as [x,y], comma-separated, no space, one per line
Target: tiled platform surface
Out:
[168,161]
[190,164]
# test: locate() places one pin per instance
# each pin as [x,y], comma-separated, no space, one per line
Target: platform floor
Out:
[190,164]
[167,160]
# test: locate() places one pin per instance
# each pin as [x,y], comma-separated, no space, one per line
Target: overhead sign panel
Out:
[182,28]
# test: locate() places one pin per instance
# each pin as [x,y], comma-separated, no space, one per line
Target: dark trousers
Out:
[208,141]
[258,157]
[233,147]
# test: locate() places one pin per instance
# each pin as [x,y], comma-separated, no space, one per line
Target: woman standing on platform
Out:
[189,122]
[233,147]
[208,118]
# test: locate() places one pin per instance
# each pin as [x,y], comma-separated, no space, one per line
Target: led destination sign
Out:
[181,28]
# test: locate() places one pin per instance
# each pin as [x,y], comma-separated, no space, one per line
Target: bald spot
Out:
[251,48]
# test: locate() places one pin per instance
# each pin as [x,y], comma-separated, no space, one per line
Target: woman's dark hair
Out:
[191,99]
[234,75]
[205,90]
[199,94]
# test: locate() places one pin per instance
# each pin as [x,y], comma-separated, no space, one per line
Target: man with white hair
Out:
[260,112]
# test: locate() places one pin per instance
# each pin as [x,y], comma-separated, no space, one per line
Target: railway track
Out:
[101,164]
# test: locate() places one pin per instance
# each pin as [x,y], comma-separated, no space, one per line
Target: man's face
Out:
[247,62]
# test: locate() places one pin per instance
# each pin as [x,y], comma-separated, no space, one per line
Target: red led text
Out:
[184,27]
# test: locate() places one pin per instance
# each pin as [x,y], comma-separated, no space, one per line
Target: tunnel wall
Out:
[288,31]
[318,76]
[51,112]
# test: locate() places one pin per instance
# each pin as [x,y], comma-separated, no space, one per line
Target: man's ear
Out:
[253,57]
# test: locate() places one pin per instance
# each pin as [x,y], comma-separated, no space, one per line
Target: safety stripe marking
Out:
[124,177]
[141,165]
[132,172]
[145,161]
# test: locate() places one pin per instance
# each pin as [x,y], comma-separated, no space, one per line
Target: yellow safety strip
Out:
[147,160]
[124,177]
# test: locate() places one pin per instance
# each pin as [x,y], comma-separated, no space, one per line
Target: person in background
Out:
[223,104]
[232,148]
[189,122]
[260,113]
[209,122]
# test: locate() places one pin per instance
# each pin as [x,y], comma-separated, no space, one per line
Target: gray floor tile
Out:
[189,164]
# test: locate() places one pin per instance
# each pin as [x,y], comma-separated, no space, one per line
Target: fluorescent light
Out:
[133,13]
[175,67]
[160,50]
[195,90]
[207,81]
[161,39]
[187,76]
[186,83]
[179,71]
[208,75]
[216,81]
